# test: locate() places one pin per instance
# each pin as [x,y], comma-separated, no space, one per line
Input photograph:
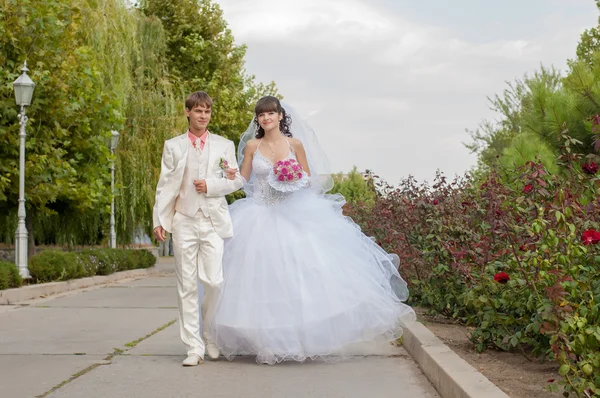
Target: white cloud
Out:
[388,93]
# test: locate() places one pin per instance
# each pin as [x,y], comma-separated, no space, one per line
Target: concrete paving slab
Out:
[119,297]
[26,376]
[155,281]
[32,292]
[7,308]
[76,330]
[163,376]
[38,343]
[167,342]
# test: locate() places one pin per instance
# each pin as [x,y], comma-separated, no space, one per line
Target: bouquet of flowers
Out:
[288,176]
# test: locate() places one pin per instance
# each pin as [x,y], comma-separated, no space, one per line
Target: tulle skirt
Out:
[302,281]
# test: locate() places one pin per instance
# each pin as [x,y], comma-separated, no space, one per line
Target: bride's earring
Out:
[257,129]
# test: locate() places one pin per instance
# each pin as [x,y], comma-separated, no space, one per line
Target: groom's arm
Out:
[166,168]
[224,186]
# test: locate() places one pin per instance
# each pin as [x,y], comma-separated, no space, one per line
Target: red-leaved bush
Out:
[517,258]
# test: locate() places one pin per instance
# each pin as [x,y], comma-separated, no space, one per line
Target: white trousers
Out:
[198,251]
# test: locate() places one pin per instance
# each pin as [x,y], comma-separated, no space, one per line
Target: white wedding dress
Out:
[301,280]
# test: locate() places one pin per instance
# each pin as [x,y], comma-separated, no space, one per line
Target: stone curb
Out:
[20,294]
[451,375]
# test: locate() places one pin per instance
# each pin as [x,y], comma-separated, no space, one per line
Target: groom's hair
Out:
[198,98]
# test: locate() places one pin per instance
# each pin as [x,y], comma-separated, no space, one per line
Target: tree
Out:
[590,43]
[202,54]
[67,159]
[537,110]
[149,98]
[354,187]
[101,65]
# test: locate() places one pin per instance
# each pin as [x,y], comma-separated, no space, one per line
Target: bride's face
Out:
[269,120]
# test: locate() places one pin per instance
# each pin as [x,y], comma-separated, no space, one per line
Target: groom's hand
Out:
[200,186]
[159,233]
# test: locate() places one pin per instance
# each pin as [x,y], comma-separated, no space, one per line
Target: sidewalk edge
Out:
[21,294]
[451,375]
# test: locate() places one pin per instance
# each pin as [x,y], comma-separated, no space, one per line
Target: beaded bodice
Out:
[263,192]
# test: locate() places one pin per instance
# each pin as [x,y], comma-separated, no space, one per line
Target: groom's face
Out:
[199,117]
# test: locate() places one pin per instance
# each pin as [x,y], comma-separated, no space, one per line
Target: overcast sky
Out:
[391,85]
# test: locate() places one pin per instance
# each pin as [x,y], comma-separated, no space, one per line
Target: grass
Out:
[134,343]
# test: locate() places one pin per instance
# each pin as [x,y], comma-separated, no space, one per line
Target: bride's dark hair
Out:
[272,104]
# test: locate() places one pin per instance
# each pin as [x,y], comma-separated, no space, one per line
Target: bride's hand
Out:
[231,173]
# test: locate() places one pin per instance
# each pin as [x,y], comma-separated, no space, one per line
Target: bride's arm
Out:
[246,168]
[300,154]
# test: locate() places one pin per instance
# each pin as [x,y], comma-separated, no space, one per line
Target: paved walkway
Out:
[122,340]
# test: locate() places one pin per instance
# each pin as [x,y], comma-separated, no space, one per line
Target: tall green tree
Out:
[590,43]
[102,65]
[536,110]
[132,55]
[202,54]
[67,159]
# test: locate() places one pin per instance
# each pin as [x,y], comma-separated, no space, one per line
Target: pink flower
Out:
[299,176]
[295,167]
[590,237]
[281,177]
[292,160]
[279,163]
[528,188]
[287,163]
[284,171]
[290,177]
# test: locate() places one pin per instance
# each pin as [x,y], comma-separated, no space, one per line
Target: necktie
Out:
[197,145]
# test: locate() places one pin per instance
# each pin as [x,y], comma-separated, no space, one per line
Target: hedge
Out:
[9,276]
[53,265]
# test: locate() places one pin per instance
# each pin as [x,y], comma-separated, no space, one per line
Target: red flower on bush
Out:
[528,188]
[590,168]
[501,277]
[436,202]
[590,237]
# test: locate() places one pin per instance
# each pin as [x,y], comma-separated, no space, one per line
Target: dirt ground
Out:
[511,372]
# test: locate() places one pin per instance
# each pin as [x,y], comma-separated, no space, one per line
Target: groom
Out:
[190,203]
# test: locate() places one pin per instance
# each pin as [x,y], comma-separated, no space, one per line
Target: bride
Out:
[300,279]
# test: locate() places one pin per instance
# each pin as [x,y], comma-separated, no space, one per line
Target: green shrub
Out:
[106,260]
[9,276]
[59,265]
[146,258]
[53,265]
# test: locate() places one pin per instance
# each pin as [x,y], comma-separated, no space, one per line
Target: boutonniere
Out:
[223,164]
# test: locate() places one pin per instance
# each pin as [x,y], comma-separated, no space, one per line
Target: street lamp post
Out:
[24,87]
[114,140]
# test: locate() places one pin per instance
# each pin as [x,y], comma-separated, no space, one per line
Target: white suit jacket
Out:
[174,157]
